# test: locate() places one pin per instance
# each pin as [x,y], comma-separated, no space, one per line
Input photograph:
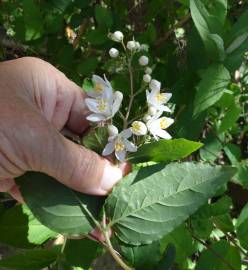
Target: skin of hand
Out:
[36,102]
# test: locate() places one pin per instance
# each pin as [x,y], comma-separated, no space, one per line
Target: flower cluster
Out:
[104,102]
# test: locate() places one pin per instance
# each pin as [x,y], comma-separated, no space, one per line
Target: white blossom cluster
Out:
[103,103]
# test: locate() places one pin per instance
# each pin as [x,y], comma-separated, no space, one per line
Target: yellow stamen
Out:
[161,98]
[101,105]
[98,87]
[163,123]
[119,146]
[135,127]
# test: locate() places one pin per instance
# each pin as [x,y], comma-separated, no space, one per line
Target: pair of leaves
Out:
[139,211]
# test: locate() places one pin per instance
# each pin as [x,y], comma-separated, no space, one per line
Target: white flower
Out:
[157,125]
[120,145]
[117,36]
[102,87]
[139,128]
[113,52]
[148,70]
[147,78]
[157,99]
[143,60]
[131,45]
[103,108]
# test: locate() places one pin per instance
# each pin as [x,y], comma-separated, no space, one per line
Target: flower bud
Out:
[148,70]
[139,128]
[144,47]
[146,118]
[112,130]
[143,60]
[117,36]
[155,85]
[131,45]
[137,45]
[113,52]
[152,110]
[147,78]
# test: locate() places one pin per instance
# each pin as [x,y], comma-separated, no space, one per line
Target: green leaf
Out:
[230,118]
[212,86]
[33,20]
[182,241]
[56,206]
[233,153]
[212,148]
[103,16]
[228,257]
[153,201]
[165,150]
[143,257]
[96,139]
[81,252]
[237,41]
[210,29]
[29,260]
[168,259]
[242,225]
[19,228]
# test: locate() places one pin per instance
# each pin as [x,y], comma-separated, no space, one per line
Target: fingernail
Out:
[111,175]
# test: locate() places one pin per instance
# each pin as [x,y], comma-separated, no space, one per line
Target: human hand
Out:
[36,102]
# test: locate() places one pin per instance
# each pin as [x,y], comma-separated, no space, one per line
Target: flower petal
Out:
[118,96]
[121,155]
[164,108]
[131,147]
[127,133]
[168,121]
[96,117]
[163,134]
[98,79]
[109,148]
[92,104]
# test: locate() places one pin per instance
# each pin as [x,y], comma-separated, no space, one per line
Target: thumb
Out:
[81,169]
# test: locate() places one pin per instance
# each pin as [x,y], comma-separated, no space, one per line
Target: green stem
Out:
[125,124]
[112,251]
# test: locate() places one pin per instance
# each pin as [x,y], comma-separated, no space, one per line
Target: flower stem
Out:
[130,70]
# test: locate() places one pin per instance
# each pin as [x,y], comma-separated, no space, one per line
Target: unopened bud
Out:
[147,78]
[117,36]
[143,60]
[147,117]
[131,45]
[148,70]
[113,52]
